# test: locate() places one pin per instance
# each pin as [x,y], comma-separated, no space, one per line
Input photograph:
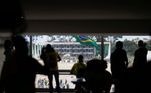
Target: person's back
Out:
[119,60]
[119,63]
[97,78]
[147,77]
[27,68]
[78,68]
[51,59]
[23,69]
[5,70]
[8,46]
[140,56]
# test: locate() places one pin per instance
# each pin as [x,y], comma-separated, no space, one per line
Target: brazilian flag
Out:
[84,40]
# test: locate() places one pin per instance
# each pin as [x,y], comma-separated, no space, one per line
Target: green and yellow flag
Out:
[84,40]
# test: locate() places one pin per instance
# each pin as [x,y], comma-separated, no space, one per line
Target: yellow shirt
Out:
[52,59]
[76,67]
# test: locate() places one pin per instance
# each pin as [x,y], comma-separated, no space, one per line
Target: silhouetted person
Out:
[119,63]
[138,76]
[8,46]
[51,58]
[22,69]
[42,55]
[140,56]
[147,77]
[136,81]
[98,79]
[78,68]
[142,79]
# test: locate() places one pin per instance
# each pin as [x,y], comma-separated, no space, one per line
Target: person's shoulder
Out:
[76,63]
[145,49]
[124,50]
[53,53]
[84,64]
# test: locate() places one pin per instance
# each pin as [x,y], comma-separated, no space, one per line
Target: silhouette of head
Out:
[8,44]
[98,65]
[140,43]
[94,65]
[49,48]
[119,44]
[20,44]
[80,57]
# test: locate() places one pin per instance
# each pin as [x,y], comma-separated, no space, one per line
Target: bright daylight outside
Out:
[70,46]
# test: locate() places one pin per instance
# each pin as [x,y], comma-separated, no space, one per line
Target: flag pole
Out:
[31,45]
[102,48]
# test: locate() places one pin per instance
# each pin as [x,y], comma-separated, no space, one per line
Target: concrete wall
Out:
[89,26]
[1,58]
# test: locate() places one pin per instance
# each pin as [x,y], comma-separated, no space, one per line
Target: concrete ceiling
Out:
[85,9]
[78,16]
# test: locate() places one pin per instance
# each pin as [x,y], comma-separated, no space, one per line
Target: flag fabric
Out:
[87,41]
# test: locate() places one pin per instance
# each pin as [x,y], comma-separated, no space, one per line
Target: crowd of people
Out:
[20,69]
[134,79]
